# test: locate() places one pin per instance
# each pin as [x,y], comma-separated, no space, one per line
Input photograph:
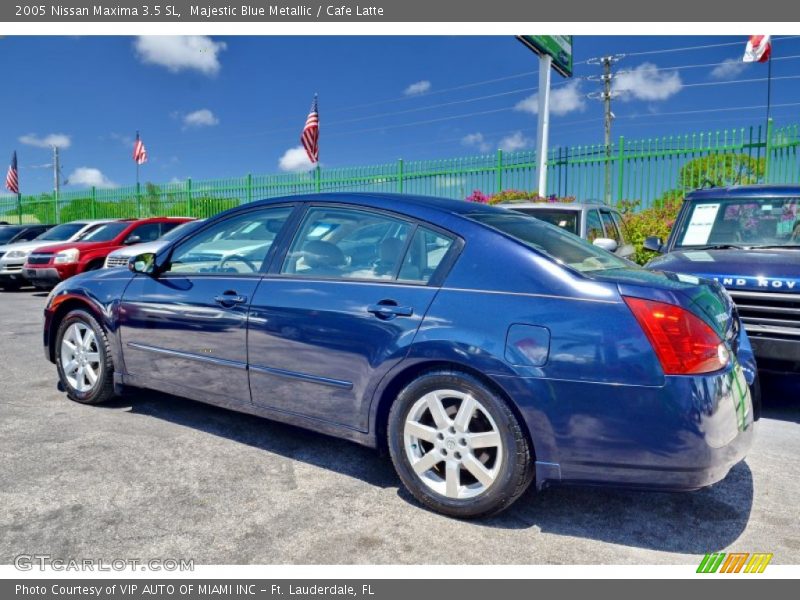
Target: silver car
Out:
[593,221]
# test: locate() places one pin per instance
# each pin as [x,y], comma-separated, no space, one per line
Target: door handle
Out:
[388,309]
[229,299]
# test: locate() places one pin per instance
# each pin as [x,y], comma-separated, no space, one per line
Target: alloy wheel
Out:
[80,357]
[453,444]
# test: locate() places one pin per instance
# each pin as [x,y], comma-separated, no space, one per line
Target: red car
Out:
[50,264]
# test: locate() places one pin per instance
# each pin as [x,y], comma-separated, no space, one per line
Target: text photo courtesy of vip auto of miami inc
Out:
[429,300]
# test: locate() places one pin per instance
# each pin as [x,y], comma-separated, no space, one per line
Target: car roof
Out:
[746,191]
[576,206]
[376,199]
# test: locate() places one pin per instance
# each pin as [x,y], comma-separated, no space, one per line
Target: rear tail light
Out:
[683,342]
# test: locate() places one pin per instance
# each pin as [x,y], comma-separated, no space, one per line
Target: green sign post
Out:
[558,47]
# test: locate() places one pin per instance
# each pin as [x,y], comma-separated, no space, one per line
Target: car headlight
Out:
[17,254]
[66,257]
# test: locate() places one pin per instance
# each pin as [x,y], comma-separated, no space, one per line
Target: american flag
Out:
[310,135]
[139,151]
[12,178]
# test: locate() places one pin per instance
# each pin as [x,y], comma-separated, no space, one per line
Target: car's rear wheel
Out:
[457,446]
[83,359]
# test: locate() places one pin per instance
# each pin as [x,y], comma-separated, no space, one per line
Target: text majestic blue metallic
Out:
[493,348]
[748,239]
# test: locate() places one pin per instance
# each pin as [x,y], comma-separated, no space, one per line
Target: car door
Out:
[340,310]
[626,249]
[184,329]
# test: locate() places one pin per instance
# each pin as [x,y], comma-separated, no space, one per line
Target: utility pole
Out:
[608,116]
[56,182]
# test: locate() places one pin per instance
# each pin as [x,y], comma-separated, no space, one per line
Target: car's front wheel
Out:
[457,446]
[83,359]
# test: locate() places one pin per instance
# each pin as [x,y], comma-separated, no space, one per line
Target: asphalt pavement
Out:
[155,476]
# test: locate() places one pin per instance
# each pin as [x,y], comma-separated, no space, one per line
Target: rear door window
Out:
[594,226]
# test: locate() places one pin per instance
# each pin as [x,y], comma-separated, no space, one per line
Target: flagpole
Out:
[769,86]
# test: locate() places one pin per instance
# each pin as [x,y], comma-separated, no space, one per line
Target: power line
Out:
[686,48]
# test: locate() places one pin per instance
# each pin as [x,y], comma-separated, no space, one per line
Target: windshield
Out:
[8,233]
[744,222]
[563,247]
[61,233]
[566,219]
[105,233]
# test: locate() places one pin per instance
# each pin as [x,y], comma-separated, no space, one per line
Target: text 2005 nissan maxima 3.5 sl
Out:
[483,348]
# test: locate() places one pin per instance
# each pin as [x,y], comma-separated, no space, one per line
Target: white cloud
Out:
[59,140]
[476,140]
[513,142]
[90,177]
[420,87]
[563,100]
[728,69]
[646,82]
[180,52]
[200,118]
[295,160]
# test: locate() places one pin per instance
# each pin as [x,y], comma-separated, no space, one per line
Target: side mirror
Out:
[606,244]
[132,239]
[653,243]
[142,263]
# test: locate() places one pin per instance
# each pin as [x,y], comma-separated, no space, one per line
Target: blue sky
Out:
[211,107]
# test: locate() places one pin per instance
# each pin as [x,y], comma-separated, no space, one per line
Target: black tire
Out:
[103,389]
[515,472]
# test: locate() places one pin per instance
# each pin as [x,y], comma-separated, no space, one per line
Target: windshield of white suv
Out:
[741,222]
[563,247]
[61,233]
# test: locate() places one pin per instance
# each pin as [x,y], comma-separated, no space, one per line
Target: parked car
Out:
[13,256]
[50,264]
[748,239]
[120,258]
[484,348]
[593,221]
[11,234]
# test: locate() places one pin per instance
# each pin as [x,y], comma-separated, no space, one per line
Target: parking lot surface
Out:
[154,476]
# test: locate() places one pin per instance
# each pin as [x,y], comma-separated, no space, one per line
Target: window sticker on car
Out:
[700,224]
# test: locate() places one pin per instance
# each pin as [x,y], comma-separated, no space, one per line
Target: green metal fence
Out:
[646,170]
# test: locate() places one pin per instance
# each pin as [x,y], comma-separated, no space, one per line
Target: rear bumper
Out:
[684,435]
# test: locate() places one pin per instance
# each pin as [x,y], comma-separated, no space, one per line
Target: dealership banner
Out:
[379,589]
[174,11]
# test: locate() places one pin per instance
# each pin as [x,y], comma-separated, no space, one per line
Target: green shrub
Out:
[656,220]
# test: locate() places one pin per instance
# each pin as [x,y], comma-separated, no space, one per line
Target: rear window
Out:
[564,248]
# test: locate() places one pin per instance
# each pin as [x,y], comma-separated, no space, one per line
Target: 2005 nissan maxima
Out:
[484,349]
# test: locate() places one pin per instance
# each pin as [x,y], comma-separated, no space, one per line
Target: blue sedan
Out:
[482,348]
